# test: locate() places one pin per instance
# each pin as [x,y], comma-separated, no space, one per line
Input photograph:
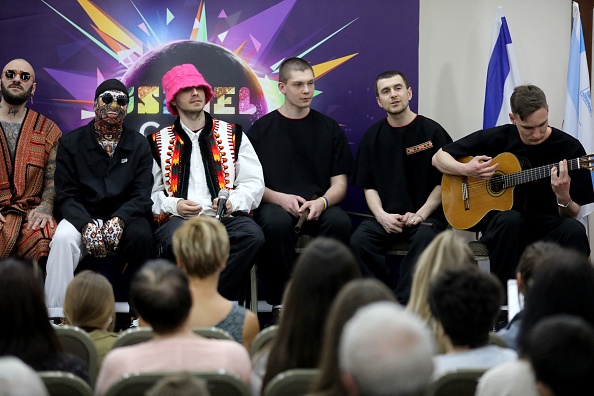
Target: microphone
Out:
[222,203]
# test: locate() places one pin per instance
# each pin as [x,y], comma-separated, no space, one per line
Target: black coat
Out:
[91,185]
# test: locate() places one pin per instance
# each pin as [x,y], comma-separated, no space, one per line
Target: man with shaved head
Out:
[28,146]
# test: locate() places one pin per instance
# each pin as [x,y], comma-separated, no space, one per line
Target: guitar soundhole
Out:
[496,184]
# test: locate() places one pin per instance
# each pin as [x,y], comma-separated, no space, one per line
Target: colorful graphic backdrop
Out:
[236,44]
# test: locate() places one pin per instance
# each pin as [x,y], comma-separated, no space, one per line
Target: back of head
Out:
[201,245]
[354,295]
[387,351]
[160,294]
[466,303]
[324,267]
[18,379]
[446,251]
[29,335]
[290,65]
[532,258]
[179,385]
[526,99]
[561,351]
[90,302]
[563,284]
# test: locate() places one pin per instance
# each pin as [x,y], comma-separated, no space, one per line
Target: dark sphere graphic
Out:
[220,67]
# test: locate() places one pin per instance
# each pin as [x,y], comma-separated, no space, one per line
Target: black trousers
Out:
[245,238]
[370,242]
[508,233]
[278,255]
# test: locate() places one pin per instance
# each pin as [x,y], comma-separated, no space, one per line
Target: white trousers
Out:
[66,251]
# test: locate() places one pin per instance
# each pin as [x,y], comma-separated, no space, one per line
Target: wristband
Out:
[325,200]
[563,206]
[422,218]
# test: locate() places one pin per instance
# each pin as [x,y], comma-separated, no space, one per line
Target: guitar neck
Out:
[532,174]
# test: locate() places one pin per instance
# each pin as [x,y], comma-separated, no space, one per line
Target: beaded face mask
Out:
[111,102]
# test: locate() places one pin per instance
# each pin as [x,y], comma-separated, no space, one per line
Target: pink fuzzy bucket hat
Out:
[180,77]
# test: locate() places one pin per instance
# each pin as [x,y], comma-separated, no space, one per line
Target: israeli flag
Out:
[578,104]
[502,75]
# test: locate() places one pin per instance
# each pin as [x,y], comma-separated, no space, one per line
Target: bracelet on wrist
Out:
[325,201]
[422,218]
[563,206]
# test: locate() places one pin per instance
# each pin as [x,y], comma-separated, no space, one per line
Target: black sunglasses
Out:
[107,98]
[10,74]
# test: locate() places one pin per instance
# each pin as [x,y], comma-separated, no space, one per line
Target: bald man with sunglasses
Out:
[28,147]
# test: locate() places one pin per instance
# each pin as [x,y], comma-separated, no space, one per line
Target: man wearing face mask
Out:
[103,192]
[28,146]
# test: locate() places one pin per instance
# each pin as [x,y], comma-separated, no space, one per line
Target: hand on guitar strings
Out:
[480,167]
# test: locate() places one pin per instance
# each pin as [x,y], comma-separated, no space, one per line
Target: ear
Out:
[349,383]
[34,88]
[378,101]
[282,88]
[410,95]
[512,118]
[179,263]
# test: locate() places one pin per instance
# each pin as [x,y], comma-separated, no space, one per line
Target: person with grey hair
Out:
[385,350]
[18,379]
[160,294]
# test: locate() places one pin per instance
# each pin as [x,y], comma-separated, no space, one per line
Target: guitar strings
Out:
[522,177]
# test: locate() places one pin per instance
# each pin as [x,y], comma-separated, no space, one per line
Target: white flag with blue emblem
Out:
[578,104]
[502,75]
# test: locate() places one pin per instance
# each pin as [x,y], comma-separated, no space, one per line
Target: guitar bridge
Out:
[465,193]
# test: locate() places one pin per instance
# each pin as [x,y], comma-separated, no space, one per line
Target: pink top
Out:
[174,354]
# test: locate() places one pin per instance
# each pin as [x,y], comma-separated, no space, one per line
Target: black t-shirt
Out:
[539,196]
[299,156]
[396,161]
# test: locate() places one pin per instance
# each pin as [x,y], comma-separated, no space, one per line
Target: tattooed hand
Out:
[112,231]
[38,217]
[93,240]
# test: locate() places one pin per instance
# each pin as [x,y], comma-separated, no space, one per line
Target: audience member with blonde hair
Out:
[201,248]
[354,295]
[446,251]
[90,305]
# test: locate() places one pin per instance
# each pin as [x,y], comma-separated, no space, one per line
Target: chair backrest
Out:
[219,383]
[495,339]
[133,336]
[77,342]
[59,383]
[143,334]
[262,338]
[294,382]
[213,332]
[456,383]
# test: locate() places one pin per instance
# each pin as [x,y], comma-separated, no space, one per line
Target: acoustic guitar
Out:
[467,200]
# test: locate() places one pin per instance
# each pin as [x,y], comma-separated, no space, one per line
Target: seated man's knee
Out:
[509,219]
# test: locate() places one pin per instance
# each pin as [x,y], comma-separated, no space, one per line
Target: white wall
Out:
[455,40]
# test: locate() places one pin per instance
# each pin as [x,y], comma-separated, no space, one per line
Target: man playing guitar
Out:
[551,201]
